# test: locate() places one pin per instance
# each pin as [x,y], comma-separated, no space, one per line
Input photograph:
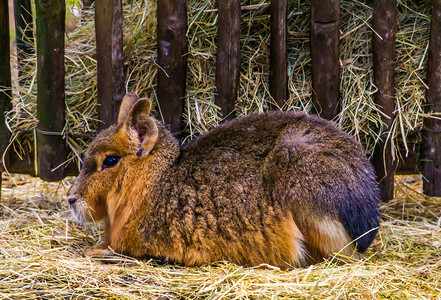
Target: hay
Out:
[41,256]
[359,115]
[40,246]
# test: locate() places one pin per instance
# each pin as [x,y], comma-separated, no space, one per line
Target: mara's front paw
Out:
[100,249]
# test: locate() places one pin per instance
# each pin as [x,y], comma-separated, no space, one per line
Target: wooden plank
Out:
[25,165]
[408,162]
[5,76]
[5,80]
[278,79]
[51,147]
[228,56]
[432,127]
[172,61]
[384,23]
[325,41]
[110,60]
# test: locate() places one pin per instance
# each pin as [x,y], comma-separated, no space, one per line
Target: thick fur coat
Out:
[282,188]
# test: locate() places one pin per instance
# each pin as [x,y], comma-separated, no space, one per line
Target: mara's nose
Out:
[71,199]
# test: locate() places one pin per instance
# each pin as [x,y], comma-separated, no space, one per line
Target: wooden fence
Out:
[171,29]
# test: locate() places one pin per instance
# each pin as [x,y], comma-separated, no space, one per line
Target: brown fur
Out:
[276,188]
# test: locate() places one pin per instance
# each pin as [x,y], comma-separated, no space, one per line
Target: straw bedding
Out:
[41,256]
[41,247]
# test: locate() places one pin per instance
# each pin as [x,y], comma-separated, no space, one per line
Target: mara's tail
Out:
[360,214]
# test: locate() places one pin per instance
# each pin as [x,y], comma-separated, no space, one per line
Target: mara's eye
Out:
[110,161]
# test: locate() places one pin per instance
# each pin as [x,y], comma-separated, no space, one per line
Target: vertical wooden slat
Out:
[278,79]
[51,147]
[172,60]
[325,37]
[23,27]
[384,23]
[228,55]
[5,75]
[110,60]
[432,127]
[5,80]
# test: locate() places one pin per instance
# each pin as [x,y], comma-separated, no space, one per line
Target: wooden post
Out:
[23,27]
[228,55]
[172,60]
[110,60]
[5,81]
[384,19]
[5,76]
[432,127]
[278,79]
[51,147]
[325,41]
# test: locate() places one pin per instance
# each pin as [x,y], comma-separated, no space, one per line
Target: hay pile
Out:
[40,246]
[41,256]
[359,115]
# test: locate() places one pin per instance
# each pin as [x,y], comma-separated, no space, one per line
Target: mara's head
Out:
[107,157]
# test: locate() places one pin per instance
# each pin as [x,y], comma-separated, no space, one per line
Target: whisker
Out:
[89,209]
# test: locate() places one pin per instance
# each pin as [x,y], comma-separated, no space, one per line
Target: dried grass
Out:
[41,256]
[40,246]
[359,114]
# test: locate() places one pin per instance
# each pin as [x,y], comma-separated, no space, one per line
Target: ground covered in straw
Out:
[41,256]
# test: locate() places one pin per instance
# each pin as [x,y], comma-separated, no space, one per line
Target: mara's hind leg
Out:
[323,183]
[325,236]
[291,244]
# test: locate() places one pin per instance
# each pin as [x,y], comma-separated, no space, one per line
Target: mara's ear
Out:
[140,128]
[126,104]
